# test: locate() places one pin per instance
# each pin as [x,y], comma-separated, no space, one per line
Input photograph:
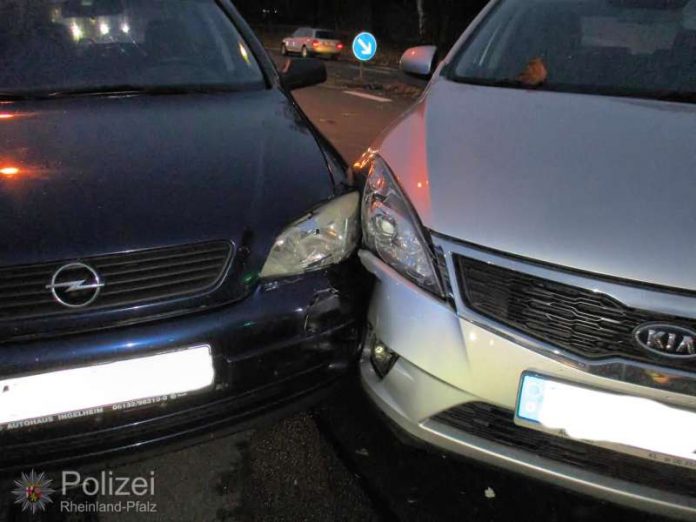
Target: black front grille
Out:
[588,323]
[496,424]
[132,278]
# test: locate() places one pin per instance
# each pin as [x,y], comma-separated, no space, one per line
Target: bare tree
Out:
[420,9]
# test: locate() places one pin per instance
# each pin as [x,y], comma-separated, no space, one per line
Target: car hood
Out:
[599,184]
[105,175]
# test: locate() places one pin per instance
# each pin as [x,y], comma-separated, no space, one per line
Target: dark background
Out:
[406,22]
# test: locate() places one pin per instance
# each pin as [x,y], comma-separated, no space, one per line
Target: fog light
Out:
[381,357]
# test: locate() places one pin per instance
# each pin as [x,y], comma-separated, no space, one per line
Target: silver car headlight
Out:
[324,237]
[392,230]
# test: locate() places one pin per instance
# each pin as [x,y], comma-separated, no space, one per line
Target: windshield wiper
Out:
[662,95]
[17,96]
[491,82]
[675,96]
[116,90]
[149,90]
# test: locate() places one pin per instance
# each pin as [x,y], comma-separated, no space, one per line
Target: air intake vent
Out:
[496,424]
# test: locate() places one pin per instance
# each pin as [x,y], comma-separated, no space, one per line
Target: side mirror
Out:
[297,74]
[420,61]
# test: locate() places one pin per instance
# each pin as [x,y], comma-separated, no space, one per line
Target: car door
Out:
[299,40]
[306,37]
[290,42]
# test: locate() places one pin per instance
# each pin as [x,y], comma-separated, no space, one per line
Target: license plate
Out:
[632,425]
[54,396]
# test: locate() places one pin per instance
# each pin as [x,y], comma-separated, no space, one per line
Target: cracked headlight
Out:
[392,230]
[324,237]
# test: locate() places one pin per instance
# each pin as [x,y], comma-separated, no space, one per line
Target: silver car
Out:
[531,225]
[307,42]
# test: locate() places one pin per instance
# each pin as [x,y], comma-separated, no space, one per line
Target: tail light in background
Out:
[340,46]
[315,43]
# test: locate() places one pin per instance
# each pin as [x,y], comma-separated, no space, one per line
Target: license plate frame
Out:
[61,395]
[609,429]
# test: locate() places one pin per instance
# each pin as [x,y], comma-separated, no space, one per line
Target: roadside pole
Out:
[364,50]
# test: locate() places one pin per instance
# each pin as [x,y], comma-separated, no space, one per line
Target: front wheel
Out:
[284,50]
[305,53]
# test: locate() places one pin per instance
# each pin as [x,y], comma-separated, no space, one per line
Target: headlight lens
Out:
[392,230]
[324,237]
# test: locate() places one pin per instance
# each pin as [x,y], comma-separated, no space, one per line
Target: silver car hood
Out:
[599,184]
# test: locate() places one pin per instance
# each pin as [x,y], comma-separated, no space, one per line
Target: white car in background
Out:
[308,42]
[530,222]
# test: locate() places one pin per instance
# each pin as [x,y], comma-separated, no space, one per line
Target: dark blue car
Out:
[177,240]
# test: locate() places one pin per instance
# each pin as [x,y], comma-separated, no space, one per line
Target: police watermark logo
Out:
[33,492]
[102,493]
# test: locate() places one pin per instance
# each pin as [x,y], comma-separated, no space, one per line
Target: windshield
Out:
[626,47]
[327,35]
[71,45]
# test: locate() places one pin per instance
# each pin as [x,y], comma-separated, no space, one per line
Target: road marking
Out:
[375,70]
[368,96]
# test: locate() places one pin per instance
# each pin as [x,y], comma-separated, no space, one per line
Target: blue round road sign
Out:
[365,47]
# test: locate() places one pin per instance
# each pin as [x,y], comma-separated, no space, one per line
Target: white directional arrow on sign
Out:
[366,47]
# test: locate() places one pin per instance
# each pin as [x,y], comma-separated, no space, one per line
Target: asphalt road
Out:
[351,113]
[350,122]
[340,461]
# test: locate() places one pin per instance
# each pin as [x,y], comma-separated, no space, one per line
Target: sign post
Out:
[364,49]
